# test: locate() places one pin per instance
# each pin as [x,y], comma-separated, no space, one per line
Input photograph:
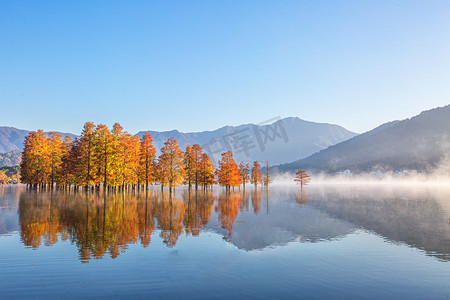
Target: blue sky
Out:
[200,65]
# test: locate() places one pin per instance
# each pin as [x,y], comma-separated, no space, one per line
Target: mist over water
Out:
[437,176]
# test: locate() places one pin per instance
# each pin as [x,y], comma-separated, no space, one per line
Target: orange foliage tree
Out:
[228,171]
[189,166]
[302,178]
[256,177]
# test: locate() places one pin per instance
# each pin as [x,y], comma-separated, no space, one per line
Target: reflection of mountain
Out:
[417,217]
[286,222]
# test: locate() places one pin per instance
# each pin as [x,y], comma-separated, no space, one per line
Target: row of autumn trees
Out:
[115,158]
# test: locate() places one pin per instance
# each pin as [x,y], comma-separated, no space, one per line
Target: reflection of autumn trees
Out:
[100,223]
[256,200]
[145,219]
[103,223]
[199,207]
[43,221]
[170,214]
[243,206]
[302,197]
[228,209]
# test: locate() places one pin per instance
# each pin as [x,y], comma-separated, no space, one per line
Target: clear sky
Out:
[199,65]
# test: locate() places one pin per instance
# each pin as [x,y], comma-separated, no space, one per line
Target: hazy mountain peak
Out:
[420,143]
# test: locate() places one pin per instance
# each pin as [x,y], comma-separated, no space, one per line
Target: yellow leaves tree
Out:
[103,155]
[125,153]
[84,156]
[189,166]
[118,151]
[170,163]
[206,172]
[57,150]
[147,159]
[132,162]
[66,170]
[36,160]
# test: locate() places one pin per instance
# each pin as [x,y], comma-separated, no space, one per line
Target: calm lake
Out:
[349,241]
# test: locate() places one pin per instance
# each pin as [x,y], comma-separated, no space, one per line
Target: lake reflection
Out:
[107,223]
[370,241]
[100,223]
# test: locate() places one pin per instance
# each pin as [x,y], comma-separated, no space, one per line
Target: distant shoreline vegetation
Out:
[11,158]
[115,159]
[9,175]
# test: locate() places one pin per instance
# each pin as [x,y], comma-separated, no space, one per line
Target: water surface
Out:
[327,241]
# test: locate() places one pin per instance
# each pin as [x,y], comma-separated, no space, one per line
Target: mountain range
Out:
[279,141]
[420,143]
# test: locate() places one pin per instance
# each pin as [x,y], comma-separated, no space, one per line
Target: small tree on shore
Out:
[302,178]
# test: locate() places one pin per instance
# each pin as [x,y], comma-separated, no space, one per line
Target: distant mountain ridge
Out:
[11,139]
[420,143]
[279,141]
